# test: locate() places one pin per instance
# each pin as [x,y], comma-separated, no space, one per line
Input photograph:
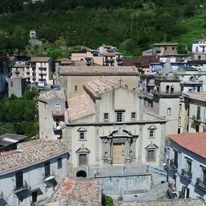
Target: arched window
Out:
[167,88]
[172,89]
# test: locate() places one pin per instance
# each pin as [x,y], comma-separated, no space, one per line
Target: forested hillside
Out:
[131,25]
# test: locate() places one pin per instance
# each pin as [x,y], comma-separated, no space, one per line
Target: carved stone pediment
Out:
[120,133]
[83,149]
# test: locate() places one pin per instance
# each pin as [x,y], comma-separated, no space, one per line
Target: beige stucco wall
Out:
[118,99]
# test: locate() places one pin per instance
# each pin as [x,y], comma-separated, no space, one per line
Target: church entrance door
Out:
[118,153]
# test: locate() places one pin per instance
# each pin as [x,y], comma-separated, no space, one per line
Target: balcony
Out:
[173,165]
[21,188]
[42,80]
[50,180]
[196,119]
[201,185]
[109,61]
[172,190]
[186,175]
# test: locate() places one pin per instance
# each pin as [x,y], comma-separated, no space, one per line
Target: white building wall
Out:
[34,176]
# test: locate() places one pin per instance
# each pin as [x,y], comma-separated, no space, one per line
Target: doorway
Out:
[118,153]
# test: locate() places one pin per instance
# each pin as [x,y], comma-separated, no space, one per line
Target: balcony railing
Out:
[173,165]
[201,184]
[21,188]
[172,190]
[186,174]
[196,118]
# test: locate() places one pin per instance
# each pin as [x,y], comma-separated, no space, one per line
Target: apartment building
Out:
[199,50]
[29,174]
[195,111]
[186,166]
[41,70]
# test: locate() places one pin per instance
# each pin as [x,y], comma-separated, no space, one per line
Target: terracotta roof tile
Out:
[194,142]
[98,71]
[30,152]
[99,86]
[79,107]
[49,95]
[78,191]
[198,95]
[40,59]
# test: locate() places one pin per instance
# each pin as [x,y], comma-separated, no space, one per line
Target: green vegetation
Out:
[107,201]
[19,115]
[132,25]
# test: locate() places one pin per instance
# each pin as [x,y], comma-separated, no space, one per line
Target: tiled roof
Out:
[40,59]
[30,153]
[79,107]
[19,65]
[98,71]
[176,202]
[143,61]
[194,142]
[99,86]
[109,54]
[78,191]
[198,95]
[49,95]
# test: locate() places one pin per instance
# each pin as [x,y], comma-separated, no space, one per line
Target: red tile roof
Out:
[78,191]
[143,61]
[99,86]
[194,142]
[98,71]
[79,107]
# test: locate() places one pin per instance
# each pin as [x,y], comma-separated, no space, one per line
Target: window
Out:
[59,163]
[151,155]
[75,88]
[203,176]
[11,83]
[172,89]
[151,133]
[168,111]
[106,116]
[82,135]
[34,196]
[119,116]
[82,159]
[19,180]
[198,112]
[133,115]
[176,159]
[47,169]
[58,107]
[188,166]
[167,88]
[197,128]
